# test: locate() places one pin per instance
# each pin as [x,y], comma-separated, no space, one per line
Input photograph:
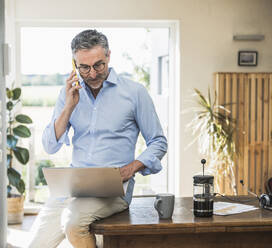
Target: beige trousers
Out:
[70,218]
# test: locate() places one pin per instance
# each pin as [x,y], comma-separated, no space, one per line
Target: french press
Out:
[203,194]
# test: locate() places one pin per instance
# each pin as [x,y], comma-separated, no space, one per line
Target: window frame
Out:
[173,172]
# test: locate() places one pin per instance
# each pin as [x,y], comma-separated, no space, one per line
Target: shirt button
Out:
[94,108]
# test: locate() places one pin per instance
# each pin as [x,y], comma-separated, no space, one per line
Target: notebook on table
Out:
[84,182]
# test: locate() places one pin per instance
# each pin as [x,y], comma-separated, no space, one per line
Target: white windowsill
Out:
[32,208]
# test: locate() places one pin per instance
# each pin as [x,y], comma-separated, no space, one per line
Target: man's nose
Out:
[92,72]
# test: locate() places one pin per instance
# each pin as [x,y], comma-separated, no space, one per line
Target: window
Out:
[46,63]
[163,79]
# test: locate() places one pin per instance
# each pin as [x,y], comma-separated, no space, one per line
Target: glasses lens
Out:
[99,67]
[84,69]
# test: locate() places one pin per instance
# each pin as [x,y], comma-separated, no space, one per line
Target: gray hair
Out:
[88,39]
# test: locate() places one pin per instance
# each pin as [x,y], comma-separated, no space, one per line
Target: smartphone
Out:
[77,73]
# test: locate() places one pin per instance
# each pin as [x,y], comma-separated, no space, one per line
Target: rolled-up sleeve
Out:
[50,143]
[150,127]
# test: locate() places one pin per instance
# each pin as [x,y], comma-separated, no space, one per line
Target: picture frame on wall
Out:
[247,58]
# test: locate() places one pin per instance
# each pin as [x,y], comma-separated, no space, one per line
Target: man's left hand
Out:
[130,169]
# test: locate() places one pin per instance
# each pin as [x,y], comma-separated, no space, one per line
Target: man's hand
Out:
[129,170]
[72,94]
[71,100]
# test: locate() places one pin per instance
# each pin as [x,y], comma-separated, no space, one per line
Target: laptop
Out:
[84,182]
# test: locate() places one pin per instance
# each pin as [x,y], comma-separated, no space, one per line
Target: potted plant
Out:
[16,129]
[214,130]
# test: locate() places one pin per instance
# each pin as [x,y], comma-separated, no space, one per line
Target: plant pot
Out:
[15,209]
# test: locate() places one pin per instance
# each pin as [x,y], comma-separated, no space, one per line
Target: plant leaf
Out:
[209,96]
[214,129]
[15,180]
[9,105]
[13,176]
[9,93]
[23,119]
[21,187]
[21,154]
[9,157]
[16,93]
[11,141]
[22,131]
[8,190]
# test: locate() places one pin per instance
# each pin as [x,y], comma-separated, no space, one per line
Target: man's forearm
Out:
[62,122]
[138,165]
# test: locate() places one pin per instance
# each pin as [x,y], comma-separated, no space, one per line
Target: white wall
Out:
[10,36]
[3,171]
[206,30]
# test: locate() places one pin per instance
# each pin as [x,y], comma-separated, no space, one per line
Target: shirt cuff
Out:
[63,138]
[151,162]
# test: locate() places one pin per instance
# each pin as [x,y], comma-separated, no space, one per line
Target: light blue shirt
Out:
[106,128]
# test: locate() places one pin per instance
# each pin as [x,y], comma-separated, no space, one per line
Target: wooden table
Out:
[140,227]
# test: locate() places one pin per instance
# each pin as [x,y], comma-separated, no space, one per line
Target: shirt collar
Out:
[112,77]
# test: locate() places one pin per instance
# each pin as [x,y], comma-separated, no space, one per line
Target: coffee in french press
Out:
[203,194]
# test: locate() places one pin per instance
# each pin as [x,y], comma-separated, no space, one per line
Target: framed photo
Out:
[247,58]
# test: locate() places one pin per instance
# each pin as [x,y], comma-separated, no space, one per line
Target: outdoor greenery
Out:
[16,129]
[141,73]
[37,102]
[214,130]
[40,164]
[44,79]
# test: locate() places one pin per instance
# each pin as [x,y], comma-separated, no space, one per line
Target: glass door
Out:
[138,53]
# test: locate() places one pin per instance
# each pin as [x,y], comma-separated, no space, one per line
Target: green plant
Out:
[215,132]
[45,163]
[32,102]
[16,129]
[141,73]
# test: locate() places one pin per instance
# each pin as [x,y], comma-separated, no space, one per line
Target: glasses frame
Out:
[90,67]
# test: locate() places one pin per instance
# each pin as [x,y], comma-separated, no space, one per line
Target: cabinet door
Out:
[249,98]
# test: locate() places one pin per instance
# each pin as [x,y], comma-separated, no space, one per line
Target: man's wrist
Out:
[138,166]
[67,110]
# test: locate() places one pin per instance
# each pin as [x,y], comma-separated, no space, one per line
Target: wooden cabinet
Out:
[249,98]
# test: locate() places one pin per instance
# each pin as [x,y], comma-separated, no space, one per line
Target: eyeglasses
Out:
[84,69]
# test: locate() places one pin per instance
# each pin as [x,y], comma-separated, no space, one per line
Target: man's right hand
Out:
[72,94]
[71,100]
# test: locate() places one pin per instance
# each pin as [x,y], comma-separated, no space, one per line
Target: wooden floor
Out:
[18,235]
[26,225]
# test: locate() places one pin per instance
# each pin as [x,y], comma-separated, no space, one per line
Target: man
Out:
[106,112]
